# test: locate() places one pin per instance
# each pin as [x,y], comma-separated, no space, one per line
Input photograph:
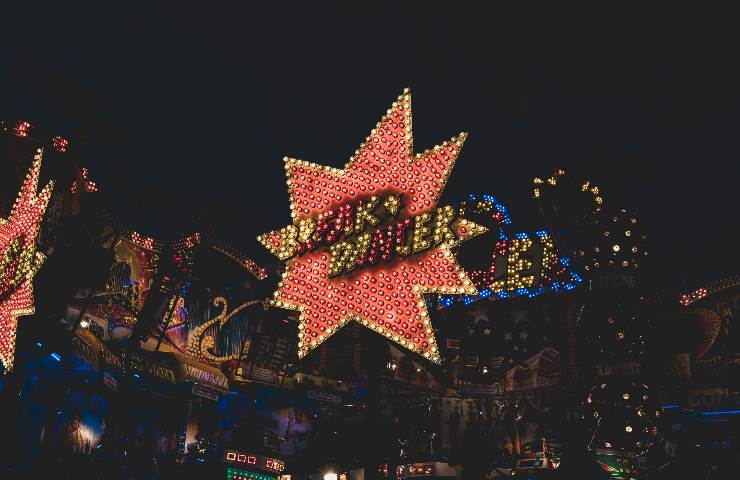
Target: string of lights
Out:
[24,129]
[712,288]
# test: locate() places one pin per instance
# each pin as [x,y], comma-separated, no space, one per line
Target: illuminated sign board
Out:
[257,461]
[368,241]
[518,265]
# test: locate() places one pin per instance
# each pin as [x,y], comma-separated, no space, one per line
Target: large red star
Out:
[389,297]
[19,260]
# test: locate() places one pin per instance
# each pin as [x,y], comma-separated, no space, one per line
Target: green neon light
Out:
[232,474]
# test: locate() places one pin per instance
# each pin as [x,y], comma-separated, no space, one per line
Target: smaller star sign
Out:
[19,260]
[479,315]
[523,336]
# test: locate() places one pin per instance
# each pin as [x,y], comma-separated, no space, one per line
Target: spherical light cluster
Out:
[620,415]
[611,331]
[616,242]
[19,260]
[358,265]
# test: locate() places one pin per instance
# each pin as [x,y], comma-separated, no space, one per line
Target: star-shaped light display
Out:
[19,260]
[368,241]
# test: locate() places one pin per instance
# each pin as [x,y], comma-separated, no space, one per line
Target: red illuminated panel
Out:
[22,128]
[60,143]
[420,469]
[258,461]
[272,464]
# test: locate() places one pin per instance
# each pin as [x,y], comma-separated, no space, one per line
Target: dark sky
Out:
[183,104]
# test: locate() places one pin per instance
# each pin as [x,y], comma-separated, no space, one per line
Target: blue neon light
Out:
[537,291]
[562,270]
[56,356]
[722,412]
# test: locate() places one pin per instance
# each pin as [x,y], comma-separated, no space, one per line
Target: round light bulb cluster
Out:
[616,242]
[616,417]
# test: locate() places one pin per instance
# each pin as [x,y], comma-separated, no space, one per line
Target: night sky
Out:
[188,106]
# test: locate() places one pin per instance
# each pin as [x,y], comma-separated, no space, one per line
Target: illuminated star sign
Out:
[368,241]
[19,260]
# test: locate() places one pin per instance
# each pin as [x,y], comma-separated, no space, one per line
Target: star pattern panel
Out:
[496,336]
